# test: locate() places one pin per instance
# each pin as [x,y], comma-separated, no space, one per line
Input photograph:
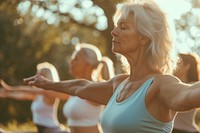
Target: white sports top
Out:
[43,113]
[81,113]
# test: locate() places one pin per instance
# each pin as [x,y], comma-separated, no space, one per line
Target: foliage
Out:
[188,28]
[15,126]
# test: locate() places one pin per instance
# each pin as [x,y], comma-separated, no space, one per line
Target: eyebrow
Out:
[122,21]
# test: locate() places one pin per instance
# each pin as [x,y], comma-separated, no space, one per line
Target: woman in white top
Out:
[45,103]
[187,72]
[86,62]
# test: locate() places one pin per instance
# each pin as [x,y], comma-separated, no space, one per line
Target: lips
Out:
[114,42]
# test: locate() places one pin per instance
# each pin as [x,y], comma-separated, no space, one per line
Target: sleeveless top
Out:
[185,121]
[131,115]
[81,113]
[43,113]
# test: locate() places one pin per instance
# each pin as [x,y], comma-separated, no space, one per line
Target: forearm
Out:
[17,96]
[68,87]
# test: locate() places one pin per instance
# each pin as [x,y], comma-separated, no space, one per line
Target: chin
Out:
[115,50]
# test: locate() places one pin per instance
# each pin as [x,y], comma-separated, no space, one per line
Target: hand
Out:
[6,87]
[38,81]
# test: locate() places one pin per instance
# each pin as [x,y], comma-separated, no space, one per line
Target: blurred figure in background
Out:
[188,72]
[45,103]
[87,63]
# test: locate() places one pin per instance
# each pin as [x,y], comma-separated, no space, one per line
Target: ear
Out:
[144,40]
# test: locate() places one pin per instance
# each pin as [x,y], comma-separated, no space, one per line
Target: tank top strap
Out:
[120,86]
[146,85]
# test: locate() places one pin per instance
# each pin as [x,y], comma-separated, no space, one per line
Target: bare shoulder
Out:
[165,81]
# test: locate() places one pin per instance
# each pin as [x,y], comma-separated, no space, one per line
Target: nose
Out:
[114,32]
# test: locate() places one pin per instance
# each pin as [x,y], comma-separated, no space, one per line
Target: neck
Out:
[138,67]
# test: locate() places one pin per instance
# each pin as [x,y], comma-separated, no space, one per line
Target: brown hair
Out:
[193,60]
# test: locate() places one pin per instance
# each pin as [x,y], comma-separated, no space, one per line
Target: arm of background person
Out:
[30,90]
[8,91]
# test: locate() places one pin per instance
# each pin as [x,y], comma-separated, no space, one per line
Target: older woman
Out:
[148,99]
[86,62]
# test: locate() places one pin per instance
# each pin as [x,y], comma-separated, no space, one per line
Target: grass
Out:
[14,126]
[28,127]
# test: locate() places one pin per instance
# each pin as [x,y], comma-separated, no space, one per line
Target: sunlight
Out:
[183,43]
[91,14]
[23,7]
[170,7]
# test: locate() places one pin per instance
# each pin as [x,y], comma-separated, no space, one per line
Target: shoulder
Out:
[165,79]
[165,83]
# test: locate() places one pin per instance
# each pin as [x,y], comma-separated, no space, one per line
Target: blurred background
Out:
[34,31]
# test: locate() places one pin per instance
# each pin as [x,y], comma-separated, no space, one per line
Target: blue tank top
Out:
[131,115]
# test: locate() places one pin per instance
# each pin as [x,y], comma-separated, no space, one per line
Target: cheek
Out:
[72,67]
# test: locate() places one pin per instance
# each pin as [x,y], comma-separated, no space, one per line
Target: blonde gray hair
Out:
[151,22]
[92,54]
[103,66]
[52,72]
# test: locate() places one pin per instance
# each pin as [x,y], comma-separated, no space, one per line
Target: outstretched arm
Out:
[97,92]
[17,96]
[179,96]
[15,93]
[25,91]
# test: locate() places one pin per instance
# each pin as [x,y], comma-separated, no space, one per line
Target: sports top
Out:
[43,113]
[131,115]
[79,112]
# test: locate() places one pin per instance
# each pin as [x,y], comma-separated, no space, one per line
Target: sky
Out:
[174,9]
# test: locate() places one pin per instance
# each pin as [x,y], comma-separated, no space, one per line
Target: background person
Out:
[187,72]
[45,103]
[86,62]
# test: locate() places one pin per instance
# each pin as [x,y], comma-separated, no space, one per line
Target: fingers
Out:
[30,80]
[33,80]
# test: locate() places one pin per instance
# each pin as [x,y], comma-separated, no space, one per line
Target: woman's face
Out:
[77,64]
[125,37]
